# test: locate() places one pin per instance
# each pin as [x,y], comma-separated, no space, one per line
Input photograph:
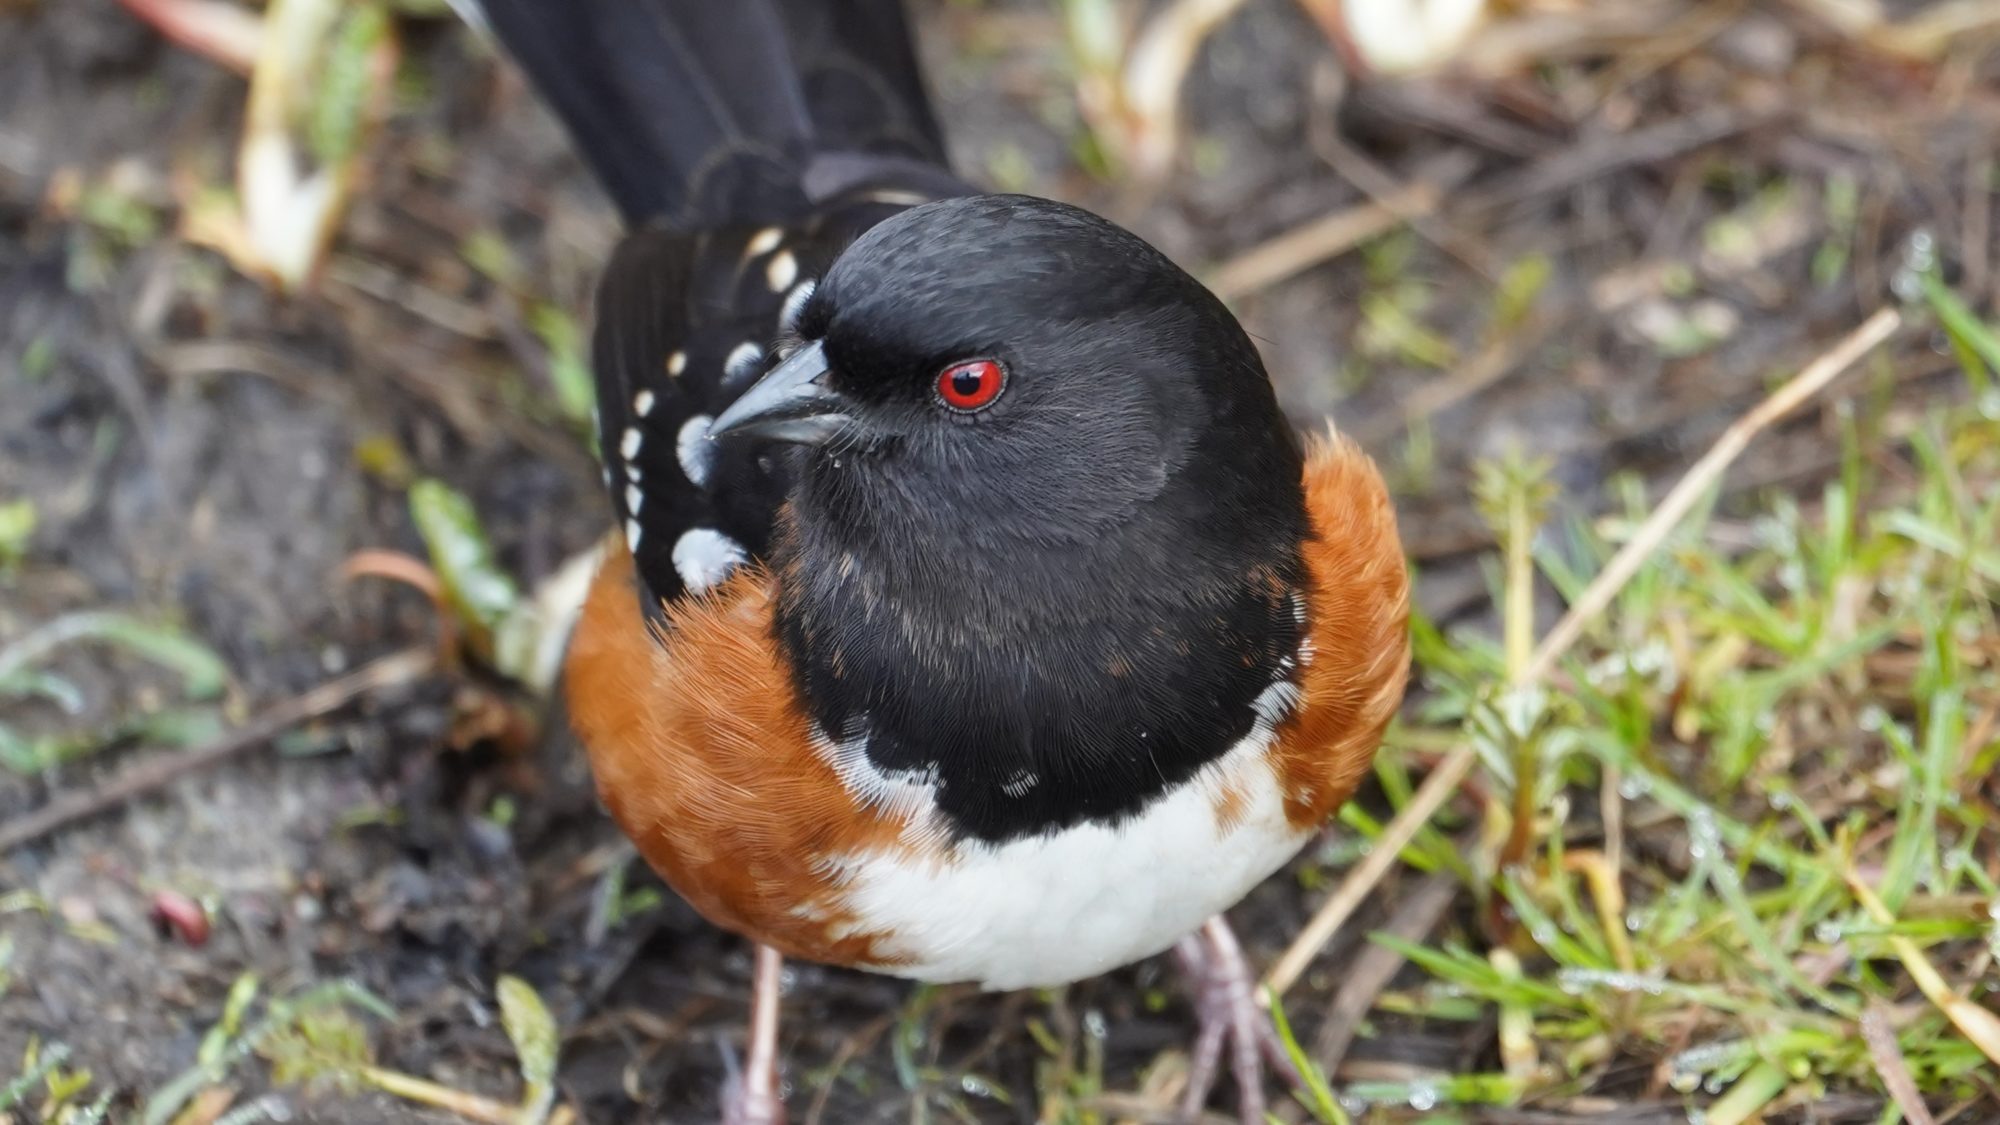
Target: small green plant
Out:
[1317,1094]
[319,1037]
[62,1092]
[1751,804]
[569,368]
[285,1030]
[18,519]
[1396,301]
[24,676]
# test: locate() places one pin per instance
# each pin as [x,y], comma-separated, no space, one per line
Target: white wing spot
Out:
[696,452]
[783,270]
[1274,704]
[764,241]
[632,535]
[742,363]
[901,198]
[628,443]
[634,499]
[1019,784]
[906,795]
[704,557]
[795,304]
[642,403]
[677,363]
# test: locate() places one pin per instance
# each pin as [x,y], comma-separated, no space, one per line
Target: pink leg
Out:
[752,1097]
[1226,1002]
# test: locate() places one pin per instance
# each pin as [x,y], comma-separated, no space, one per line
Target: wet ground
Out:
[1715,193]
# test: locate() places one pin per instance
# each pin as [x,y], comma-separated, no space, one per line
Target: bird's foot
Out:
[743,1105]
[1225,1000]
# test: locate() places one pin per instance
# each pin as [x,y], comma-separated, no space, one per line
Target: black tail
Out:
[708,112]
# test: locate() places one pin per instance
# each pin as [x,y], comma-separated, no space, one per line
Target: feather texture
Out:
[707,113]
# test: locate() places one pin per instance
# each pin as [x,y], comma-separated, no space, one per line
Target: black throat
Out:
[1039,679]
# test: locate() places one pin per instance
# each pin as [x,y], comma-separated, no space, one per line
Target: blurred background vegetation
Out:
[295,482]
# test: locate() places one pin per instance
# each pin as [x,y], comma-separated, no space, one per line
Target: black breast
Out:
[1100,689]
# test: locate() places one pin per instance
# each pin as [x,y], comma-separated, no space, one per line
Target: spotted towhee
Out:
[977,615]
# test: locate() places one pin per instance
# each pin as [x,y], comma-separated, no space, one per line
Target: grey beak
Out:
[790,403]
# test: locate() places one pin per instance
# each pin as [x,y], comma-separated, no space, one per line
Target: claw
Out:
[1225,999]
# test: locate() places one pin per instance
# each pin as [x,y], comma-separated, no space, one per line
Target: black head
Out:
[1049,519]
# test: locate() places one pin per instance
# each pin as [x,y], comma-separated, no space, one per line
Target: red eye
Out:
[972,385]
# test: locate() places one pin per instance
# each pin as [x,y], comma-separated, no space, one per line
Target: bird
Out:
[972,611]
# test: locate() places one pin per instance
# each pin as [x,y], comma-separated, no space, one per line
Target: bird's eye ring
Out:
[971,385]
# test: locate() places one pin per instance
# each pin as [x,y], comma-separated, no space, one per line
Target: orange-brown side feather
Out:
[1358,612]
[704,759]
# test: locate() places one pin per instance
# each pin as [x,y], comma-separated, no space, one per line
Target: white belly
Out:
[1075,903]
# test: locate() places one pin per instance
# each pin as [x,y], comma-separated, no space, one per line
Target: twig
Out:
[1324,238]
[1132,1108]
[1377,965]
[1891,1066]
[1980,1027]
[395,566]
[439,1096]
[1155,73]
[1682,498]
[1381,186]
[195,359]
[1382,855]
[1491,364]
[1452,112]
[220,32]
[1977,221]
[1595,599]
[389,671]
[861,1040]
[1650,145]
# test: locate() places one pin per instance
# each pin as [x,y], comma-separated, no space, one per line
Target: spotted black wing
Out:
[672,348]
[685,322]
